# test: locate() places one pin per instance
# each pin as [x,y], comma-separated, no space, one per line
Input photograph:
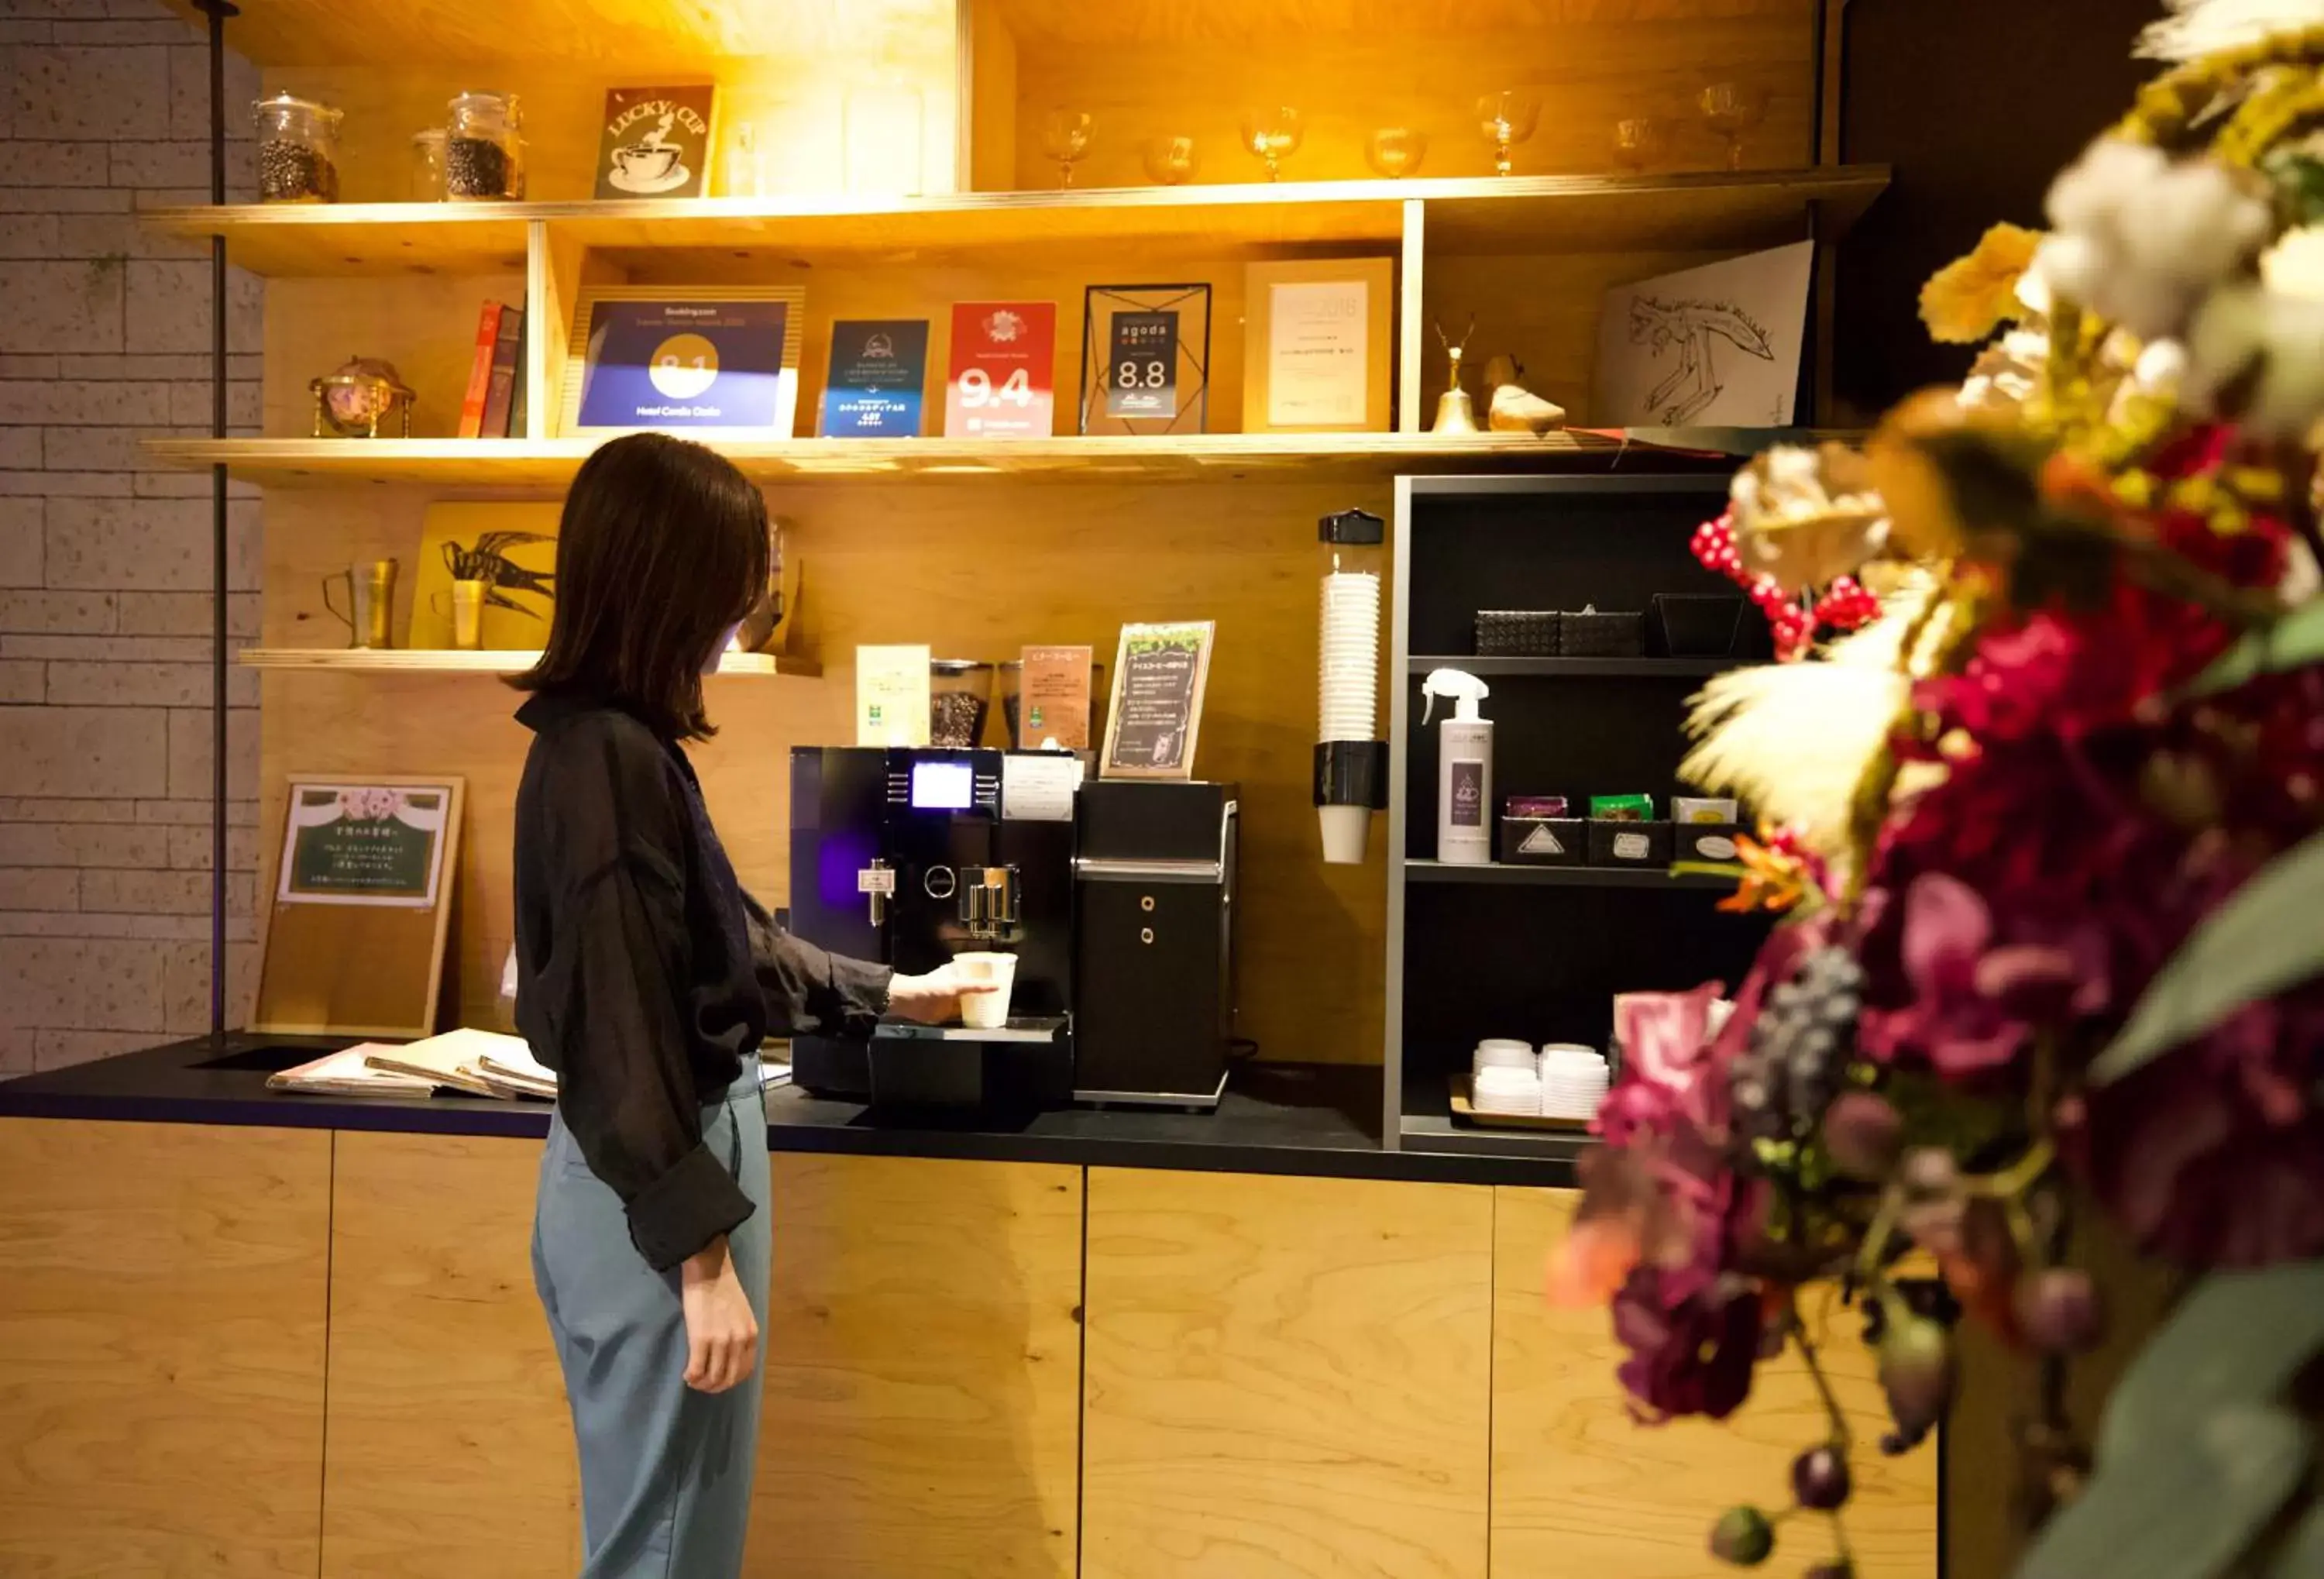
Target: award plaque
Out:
[703,362]
[1001,383]
[878,366]
[1146,358]
[1317,343]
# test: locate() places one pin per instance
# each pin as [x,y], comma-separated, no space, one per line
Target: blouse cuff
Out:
[685,1209]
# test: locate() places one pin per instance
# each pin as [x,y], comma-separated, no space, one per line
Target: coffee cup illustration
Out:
[651,163]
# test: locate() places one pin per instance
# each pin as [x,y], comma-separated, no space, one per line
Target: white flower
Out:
[2141,240]
[2294,266]
[2203,27]
[2269,348]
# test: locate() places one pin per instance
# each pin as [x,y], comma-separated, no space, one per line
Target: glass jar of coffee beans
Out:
[484,157]
[298,150]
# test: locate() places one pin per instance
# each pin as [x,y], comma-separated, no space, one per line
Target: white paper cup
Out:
[1346,831]
[985,1010]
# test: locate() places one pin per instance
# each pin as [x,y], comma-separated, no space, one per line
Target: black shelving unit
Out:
[1537,952]
[1688,669]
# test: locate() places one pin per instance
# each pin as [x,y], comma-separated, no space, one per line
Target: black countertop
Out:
[1319,1120]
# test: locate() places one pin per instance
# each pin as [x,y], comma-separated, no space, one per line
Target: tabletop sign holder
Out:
[1160,673]
[702,361]
[1146,358]
[361,906]
[1000,378]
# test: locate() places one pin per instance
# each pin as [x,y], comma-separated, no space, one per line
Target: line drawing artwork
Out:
[1691,327]
[1717,344]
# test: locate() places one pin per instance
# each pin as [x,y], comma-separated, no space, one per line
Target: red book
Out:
[1003,356]
[480,372]
[508,355]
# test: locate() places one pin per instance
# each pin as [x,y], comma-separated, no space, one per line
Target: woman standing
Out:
[646,978]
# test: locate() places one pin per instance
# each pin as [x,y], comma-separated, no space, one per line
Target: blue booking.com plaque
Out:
[684,364]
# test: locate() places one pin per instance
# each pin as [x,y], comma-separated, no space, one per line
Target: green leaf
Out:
[2239,1338]
[1734,869]
[2262,940]
[2293,642]
[2183,1510]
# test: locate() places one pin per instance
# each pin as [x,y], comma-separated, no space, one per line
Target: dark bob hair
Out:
[662,551]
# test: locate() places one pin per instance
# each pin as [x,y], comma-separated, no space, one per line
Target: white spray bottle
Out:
[1464,768]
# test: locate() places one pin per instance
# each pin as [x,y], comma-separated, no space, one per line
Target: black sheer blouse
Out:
[645,974]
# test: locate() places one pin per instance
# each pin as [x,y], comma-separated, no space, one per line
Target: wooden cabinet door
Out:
[451,1451]
[1579,1489]
[1285,1377]
[923,1371]
[161,1309]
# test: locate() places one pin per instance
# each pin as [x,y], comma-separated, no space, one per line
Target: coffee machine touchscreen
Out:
[943,786]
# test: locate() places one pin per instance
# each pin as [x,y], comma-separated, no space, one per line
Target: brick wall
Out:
[104,561]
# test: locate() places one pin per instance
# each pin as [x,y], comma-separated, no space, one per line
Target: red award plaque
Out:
[1003,355]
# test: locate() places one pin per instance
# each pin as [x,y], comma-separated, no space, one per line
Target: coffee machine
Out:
[908,855]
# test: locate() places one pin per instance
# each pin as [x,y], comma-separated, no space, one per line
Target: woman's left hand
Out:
[933,999]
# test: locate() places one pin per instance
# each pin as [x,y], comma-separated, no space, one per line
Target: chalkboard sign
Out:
[1159,674]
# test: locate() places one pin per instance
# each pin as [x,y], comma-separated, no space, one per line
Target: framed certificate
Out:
[719,362]
[1146,358]
[1317,352]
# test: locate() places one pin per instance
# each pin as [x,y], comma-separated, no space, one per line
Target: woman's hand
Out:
[722,1335]
[933,999]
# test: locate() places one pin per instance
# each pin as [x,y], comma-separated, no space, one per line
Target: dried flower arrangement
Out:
[2047,849]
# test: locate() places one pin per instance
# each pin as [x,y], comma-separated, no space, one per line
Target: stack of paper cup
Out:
[1500,1053]
[1574,1081]
[1349,694]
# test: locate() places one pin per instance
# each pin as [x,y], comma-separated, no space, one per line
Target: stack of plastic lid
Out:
[1505,1078]
[1574,1081]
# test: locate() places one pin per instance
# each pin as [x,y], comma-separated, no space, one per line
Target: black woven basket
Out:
[1592,635]
[1503,632]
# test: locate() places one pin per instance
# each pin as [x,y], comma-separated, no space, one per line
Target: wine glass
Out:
[1639,143]
[1396,150]
[1272,135]
[1172,161]
[1731,109]
[1066,138]
[1507,118]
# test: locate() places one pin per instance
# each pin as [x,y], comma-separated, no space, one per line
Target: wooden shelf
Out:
[517,463]
[410,661]
[1521,215]
[614,39]
[1585,668]
[1560,876]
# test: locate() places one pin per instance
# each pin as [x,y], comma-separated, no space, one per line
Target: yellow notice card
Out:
[891,696]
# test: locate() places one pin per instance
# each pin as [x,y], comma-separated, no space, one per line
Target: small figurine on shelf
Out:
[1515,409]
[1455,413]
[353,401]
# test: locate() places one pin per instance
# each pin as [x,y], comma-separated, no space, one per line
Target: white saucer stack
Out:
[1505,1078]
[1574,1081]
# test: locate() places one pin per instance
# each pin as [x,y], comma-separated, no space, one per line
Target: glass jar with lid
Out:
[427,165]
[960,690]
[298,150]
[484,148]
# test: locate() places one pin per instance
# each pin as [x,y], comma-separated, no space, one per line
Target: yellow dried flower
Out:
[1969,299]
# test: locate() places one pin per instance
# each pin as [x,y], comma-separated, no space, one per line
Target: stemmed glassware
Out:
[1172,161]
[1066,138]
[1731,109]
[1396,150]
[1272,134]
[1507,119]
[1639,143]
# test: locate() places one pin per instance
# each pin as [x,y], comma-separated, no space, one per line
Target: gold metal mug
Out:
[370,613]
[466,605]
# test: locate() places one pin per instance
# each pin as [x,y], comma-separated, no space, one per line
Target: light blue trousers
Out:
[665,1469]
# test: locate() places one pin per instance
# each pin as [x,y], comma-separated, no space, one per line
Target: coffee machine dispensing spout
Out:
[989,905]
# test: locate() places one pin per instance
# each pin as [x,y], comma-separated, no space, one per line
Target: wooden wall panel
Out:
[1286,1377]
[162,1331]
[1578,1487]
[1398,71]
[976,570]
[451,1451]
[922,1363]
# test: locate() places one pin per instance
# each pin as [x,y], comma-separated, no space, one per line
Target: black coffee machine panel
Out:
[1155,942]
[910,856]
